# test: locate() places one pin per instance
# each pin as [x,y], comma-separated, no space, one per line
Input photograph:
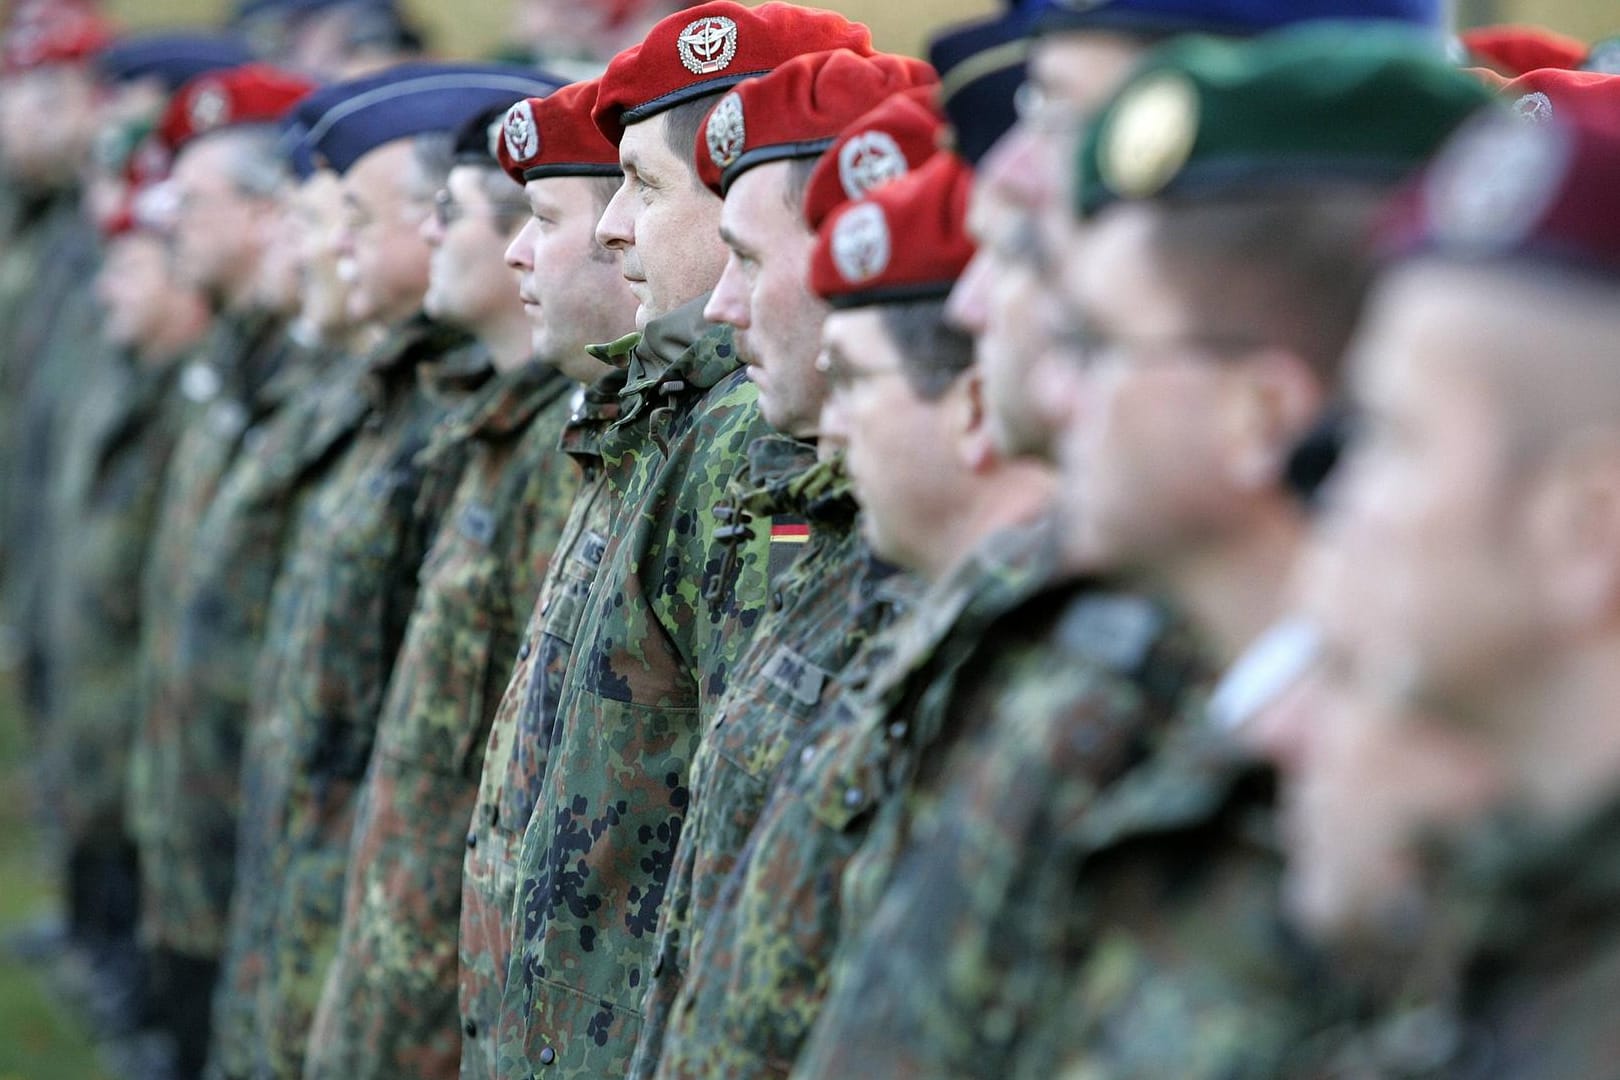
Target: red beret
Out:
[555,136]
[250,94]
[59,33]
[1585,96]
[857,260]
[1518,50]
[713,47]
[882,145]
[1503,188]
[797,110]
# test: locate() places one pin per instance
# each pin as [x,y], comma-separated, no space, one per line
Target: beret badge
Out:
[210,107]
[1534,108]
[1151,136]
[708,45]
[522,134]
[869,160]
[860,243]
[726,132]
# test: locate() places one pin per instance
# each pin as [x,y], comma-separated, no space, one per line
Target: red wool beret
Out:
[1588,97]
[713,47]
[907,240]
[60,33]
[883,145]
[1517,50]
[555,136]
[1506,189]
[797,110]
[250,94]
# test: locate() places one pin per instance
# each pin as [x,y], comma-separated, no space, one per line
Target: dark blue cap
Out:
[174,58]
[345,121]
[1238,18]
[981,66]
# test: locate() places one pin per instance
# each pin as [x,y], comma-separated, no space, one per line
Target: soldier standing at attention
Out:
[339,609]
[678,591]
[757,149]
[574,295]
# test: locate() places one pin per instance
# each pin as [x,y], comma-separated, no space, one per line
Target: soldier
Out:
[390,998]
[333,40]
[678,592]
[1481,477]
[342,596]
[757,150]
[574,295]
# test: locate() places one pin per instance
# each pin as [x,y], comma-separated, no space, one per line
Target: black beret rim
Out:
[682,94]
[764,155]
[570,168]
[1261,177]
[891,294]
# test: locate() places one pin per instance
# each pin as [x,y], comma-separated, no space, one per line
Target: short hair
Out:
[800,170]
[933,353]
[604,188]
[681,130]
[1290,270]
[255,165]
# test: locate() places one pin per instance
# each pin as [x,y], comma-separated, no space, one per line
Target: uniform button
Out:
[776,600]
[898,729]
[853,797]
[807,755]
[472,840]
[471,1029]
[523,651]
[547,1056]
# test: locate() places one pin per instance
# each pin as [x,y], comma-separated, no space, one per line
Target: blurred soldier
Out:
[331,40]
[48,122]
[678,591]
[340,603]
[574,295]
[757,150]
[1482,478]
[390,998]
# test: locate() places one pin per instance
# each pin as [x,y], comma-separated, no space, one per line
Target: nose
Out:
[520,252]
[968,306]
[729,302]
[834,422]
[1019,168]
[615,229]
[431,232]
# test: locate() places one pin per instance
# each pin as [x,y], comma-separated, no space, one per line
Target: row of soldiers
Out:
[1097,555]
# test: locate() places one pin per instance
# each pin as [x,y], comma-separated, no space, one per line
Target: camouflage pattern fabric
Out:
[671,609]
[525,721]
[822,612]
[205,616]
[759,971]
[389,1007]
[336,619]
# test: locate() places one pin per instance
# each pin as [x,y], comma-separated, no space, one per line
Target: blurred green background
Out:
[472,27]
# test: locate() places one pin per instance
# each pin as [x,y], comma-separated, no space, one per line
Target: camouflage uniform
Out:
[336,619]
[389,1006]
[1085,876]
[1516,972]
[834,598]
[520,736]
[671,609]
[758,972]
[217,548]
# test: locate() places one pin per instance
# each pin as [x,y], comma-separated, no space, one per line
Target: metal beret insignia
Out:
[707,45]
[726,133]
[1534,108]
[210,107]
[860,243]
[1150,136]
[869,160]
[1493,186]
[522,134]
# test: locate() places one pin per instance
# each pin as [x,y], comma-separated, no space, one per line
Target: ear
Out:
[970,420]
[1574,519]
[1272,399]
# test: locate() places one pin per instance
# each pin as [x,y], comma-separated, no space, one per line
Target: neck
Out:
[1235,587]
[1557,733]
[1016,494]
[509,339]
[182,327]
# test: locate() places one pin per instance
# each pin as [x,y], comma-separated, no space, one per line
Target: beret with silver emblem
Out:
[883,145]
[710,48]
[250,94]
[348,120]
[1237,18]
[555,136]
[981,66]
[1519,50]
[1505,190]
[172,58]
[59,32]
[1204,117]
[905,241]
[797,111]
[1553,93]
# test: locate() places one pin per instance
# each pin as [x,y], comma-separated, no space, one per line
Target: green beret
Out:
[1205,117]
